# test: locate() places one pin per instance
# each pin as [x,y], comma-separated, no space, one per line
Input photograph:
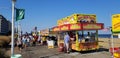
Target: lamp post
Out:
[112,41]
[12,37]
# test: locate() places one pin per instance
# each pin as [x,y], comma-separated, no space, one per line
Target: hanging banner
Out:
[116,23]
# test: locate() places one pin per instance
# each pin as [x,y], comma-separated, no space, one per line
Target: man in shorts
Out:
[66,42]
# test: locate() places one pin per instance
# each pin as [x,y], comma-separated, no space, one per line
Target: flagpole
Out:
[12,37]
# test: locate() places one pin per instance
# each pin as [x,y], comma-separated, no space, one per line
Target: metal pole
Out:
[12,37]
[112,43]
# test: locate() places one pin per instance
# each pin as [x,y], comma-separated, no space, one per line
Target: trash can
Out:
[16,56]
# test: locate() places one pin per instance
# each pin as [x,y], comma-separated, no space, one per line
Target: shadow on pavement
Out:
[93,51]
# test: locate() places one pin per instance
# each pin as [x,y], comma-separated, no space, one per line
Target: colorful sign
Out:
[86,18]
[64,27]
[91,26]
[79,26]
[77,18]
[116,23]
[57,28]
[73,19]
[59,22]
[75,26]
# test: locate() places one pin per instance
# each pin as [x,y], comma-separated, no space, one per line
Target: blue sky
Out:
[45,13]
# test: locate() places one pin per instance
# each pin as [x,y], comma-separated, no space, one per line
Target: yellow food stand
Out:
[80,23]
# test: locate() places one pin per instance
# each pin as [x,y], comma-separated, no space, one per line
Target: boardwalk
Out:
[44,52]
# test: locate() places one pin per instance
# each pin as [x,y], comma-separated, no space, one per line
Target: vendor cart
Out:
[83,42]
[85,29]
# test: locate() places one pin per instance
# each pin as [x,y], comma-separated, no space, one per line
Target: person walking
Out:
[31,40]
[24,41]
[39,40]
[28,41]
[19,44]
[66,42]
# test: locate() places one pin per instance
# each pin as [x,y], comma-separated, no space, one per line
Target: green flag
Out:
[20,14]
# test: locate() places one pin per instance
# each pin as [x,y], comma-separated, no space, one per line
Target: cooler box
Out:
[50,44]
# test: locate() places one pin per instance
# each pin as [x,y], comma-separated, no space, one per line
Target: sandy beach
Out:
[107,42]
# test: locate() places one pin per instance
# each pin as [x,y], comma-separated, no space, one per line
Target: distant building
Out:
[5,25]
[9,26]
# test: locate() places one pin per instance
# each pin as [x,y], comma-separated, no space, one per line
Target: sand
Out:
[107,42]
[4,40]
